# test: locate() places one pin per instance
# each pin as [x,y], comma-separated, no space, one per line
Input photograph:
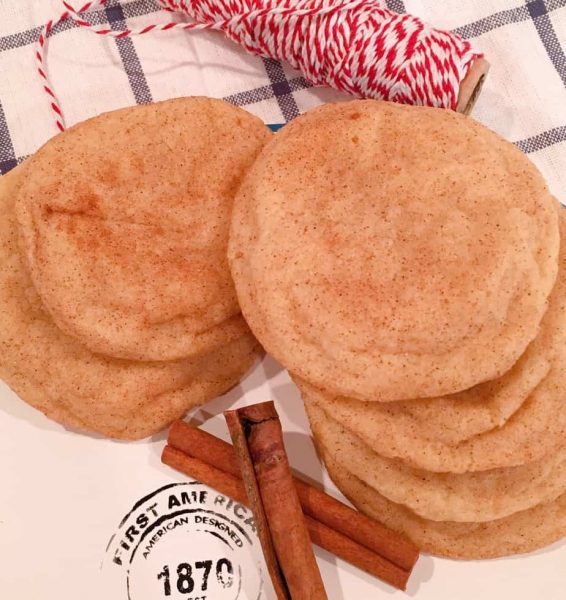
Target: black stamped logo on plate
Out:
[186,541]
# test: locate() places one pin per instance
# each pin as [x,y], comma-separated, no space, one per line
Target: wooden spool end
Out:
[471,87]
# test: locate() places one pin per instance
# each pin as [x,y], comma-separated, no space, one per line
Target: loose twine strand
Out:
[356,46]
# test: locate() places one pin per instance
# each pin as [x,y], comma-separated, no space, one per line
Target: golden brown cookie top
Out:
[125,220]
[58,375]
[532,429]
[391,252]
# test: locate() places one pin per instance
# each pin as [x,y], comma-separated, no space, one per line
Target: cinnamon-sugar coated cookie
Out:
[537,429]
[56,374]
[466,497]
[519,533]
[497,424]
[532,428]
[387,252]
[125,222]
[452,419]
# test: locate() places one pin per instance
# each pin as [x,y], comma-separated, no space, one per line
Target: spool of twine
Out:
[356,46]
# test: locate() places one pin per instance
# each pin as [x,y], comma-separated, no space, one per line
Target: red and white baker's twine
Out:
[357,46]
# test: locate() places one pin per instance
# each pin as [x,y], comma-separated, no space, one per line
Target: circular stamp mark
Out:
[186,541]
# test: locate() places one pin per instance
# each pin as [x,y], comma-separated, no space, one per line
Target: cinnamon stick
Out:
[253,496]
[258,440]
[225,483]
[315,503]
[327,538]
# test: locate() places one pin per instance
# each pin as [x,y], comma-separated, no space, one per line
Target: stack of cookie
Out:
[404,264]
[117,309]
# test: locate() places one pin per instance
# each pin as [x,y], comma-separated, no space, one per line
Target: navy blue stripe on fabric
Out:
[538,11]
[495,21]
[17,40]
[139,8]
[281,89]
[8,158]
[396,6]
[299,83]
[130,59]
[265,92]
[542,140]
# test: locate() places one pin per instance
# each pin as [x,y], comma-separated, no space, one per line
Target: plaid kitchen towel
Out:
[524,98]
